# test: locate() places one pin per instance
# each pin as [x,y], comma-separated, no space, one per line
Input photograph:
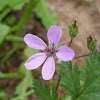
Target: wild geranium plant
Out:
[78,83]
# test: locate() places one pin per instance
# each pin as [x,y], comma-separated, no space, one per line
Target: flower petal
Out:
[48,68]
[35,61]
[34,42]
[65,53]
[54,34]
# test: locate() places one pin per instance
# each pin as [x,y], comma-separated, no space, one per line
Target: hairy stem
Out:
[81,56]
[70,42]
[58,83]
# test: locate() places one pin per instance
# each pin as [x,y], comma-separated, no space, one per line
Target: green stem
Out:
[14,38]
[10,75]
[19,27]
[5,58]
[24,95]
[25,16]
[4,13]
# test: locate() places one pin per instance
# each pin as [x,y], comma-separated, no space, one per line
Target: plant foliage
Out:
[24,85]
[70,81]
[46,17]
[43,92]
[14,4]
[3,32]
[3,95]
[89,0]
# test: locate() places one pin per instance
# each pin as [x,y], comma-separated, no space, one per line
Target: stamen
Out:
[49,51]
[51,48]
[47,48]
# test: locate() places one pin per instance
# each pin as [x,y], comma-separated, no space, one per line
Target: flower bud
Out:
[91,43]
[73,30]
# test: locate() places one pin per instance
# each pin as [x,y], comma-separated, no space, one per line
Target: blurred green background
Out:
[20,17]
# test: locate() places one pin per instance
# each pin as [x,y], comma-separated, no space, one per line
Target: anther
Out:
[51,48]
[47,48]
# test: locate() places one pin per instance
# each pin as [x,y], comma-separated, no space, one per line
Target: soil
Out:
[88,20]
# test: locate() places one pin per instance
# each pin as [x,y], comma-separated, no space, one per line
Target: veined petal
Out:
[34,42]
[48,68]
[65,53]
[35,61]
[54,34]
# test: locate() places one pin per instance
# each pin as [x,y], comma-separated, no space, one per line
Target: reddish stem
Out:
[70,42]
[81,56]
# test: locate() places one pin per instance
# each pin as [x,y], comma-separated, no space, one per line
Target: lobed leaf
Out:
[71,79]
[43,92]
[91,87]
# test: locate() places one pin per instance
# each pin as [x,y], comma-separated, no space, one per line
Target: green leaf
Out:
[46,17]
[42,7]
[91,87]
[30,51]
[3,32]
[79,86]
[59,45]
[22,69]
[67,98]
[70,81]
[4,13]
[14,38]
[16,4]
[24,84]
[24,95]
[10,20]
[10,75]
[3,95]
[82,76]
[43,92]
[48,20]
[3,3]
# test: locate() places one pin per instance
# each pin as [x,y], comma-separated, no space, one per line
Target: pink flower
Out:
[64,53]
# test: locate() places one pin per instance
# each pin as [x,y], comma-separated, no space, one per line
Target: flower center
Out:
[49,51]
